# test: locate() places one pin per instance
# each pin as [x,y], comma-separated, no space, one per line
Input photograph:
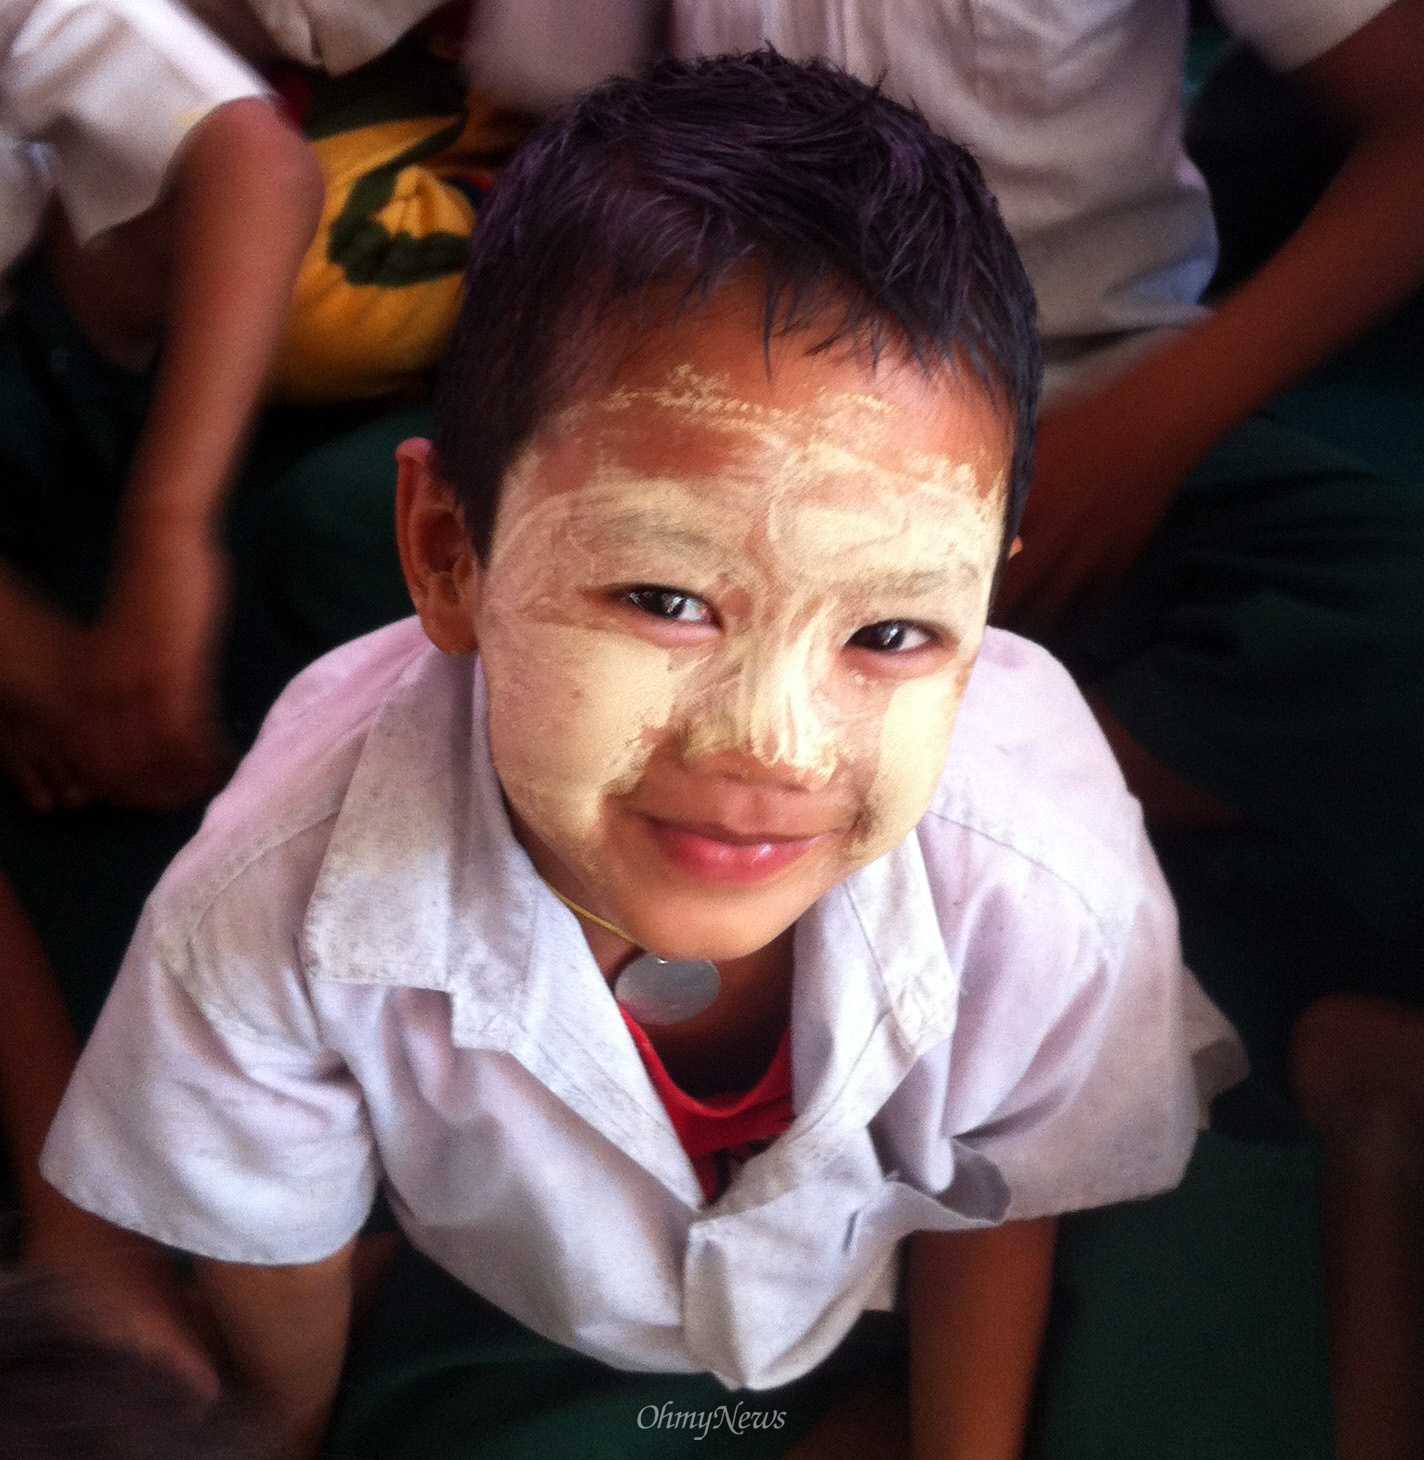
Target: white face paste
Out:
[799,511]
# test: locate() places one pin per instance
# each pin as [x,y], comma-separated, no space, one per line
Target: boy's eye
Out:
[669,603]
[893,636]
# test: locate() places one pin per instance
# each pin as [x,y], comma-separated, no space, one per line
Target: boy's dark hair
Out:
[849,211]
[65,1396]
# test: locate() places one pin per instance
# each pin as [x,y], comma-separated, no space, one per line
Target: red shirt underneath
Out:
[722,1132]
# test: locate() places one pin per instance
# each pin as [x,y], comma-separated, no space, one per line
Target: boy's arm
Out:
[125,1284]
[127,713]
[978,1302]
[285,1331]
[1100,490]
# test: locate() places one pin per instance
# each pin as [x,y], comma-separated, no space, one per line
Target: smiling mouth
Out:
[716,854]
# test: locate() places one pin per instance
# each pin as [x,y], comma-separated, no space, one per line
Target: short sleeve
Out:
[1084,1053]
[1083,1050]
[109,89]
[207,1110]
[1103,1104]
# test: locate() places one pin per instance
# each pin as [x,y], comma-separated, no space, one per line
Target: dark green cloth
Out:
[1191,1326]
[326,534]
[68,424]
[440,1372]
[1269,646]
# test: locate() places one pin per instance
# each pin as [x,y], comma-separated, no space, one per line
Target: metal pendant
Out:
[667,990]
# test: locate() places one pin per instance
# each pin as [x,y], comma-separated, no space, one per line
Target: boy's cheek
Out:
[574,716]
[914,744]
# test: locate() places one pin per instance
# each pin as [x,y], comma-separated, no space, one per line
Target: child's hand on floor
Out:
[154,737]
[124,712]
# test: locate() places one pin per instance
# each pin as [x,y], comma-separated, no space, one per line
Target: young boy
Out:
[730,447]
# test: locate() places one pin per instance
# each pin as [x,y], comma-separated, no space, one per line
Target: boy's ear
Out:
[440,567]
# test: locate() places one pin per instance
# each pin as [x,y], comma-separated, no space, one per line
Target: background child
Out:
[187,204]
[730,448]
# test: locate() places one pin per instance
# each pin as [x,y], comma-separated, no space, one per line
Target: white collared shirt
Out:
[1073,108]
[96,97]
[354,974]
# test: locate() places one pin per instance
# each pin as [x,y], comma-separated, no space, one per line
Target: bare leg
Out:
[1358,1073]
[871,1423]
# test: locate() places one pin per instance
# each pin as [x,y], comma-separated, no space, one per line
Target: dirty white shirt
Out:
[96,97]
[353,975]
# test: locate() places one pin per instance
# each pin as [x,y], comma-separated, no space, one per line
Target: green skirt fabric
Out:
[442,1373]
[1269,646]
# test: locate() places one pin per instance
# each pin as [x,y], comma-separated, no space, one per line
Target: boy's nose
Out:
[765,720]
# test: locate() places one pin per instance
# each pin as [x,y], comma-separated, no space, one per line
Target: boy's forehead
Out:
[826,482]
[719,398]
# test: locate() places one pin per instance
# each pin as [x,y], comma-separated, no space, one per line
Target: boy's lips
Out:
[716,853]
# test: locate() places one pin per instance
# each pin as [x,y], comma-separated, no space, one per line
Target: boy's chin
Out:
[717,935]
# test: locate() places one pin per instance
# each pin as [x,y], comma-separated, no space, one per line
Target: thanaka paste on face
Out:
[808,524]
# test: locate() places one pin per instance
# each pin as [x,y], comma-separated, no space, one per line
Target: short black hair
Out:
[854,216]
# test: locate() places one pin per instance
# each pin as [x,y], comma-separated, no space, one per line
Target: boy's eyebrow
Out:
[916,582]
[638,524]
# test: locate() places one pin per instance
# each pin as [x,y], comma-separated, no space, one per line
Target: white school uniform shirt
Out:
[335,36]
[1073,108]
[354,974]
[96,97]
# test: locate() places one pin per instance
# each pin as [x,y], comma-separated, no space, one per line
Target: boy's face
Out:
[726,625]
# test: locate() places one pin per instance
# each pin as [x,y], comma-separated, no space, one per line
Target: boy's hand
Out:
[151,674]
[125,711]
[1111,463]
[1102,482]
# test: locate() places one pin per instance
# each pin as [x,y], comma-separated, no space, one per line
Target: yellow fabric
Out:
[350,340]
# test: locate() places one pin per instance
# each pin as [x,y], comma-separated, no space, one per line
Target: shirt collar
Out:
[423,885]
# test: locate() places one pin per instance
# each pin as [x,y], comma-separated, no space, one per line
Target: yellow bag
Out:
[407,153]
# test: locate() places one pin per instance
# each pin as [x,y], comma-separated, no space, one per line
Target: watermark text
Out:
[734,1417]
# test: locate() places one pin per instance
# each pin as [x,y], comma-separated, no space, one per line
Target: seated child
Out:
[697,901]
[132,359]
